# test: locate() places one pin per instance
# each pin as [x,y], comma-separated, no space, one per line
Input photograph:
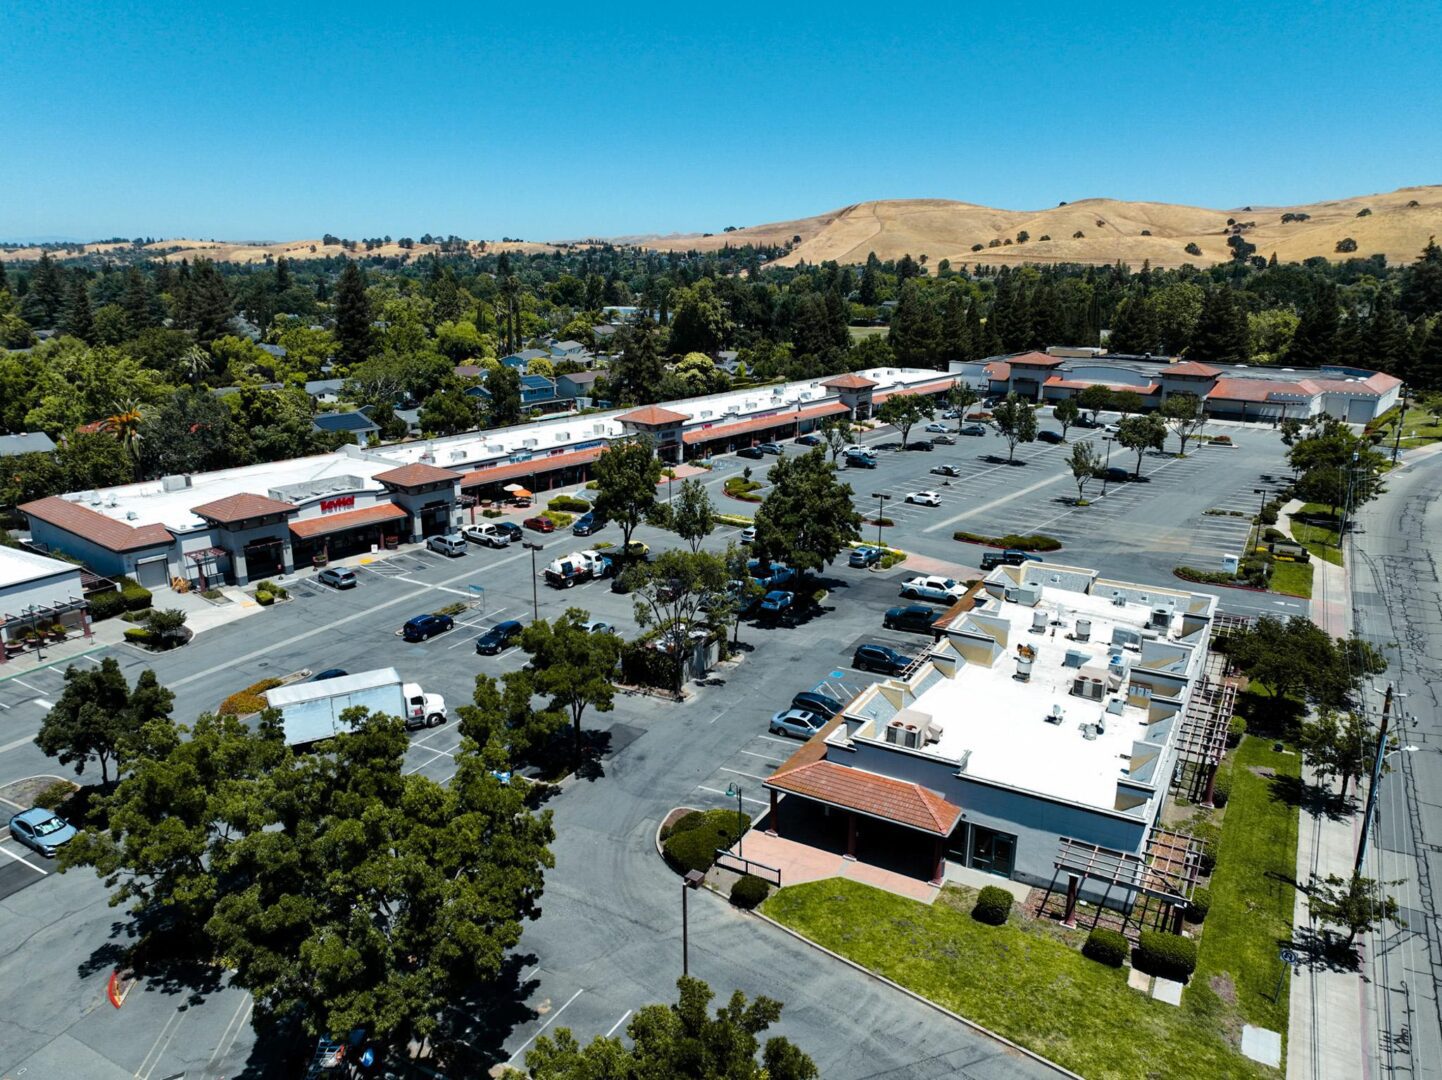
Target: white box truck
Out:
[312,710]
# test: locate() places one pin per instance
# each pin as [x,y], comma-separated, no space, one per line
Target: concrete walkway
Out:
[800,863]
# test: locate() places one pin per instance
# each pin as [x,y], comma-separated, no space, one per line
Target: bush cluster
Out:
[741,488]
[138,635]
[268,592]
[106,605]
[641,666]
[748,891]
[993,905]
[558,519]
[1169,956]
[1222,789]
[693,847]
[1200,905]
[136,596]
[1235,730]
[890,557]
[1105,947]
[1030,542]
[249,700]
[568,502]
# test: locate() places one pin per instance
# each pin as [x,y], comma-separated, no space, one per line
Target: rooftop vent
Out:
[1118,599]
[1161,617]
[1083,630]
[1039,620]
[1023,669]
[1057,715]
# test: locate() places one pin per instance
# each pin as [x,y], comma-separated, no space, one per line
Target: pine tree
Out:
[282,274]
[208,304]
[1315,342]
[353,332]
[1133,327]
[975,337]
[4,281]
[870,292]
[1427,368]
[1221,335]
[44,302]
[136,301]
[914,328]
[77,321]
[1386,344]
[955,334]
[1422,283]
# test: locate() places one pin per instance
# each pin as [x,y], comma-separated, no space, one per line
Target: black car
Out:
[817,702]
[1049,436]
[426,626]
[917,617]
[750,452]
[498,638]
[328,673]
[587,524]
[972,429]
[880,658]
[511,528]
[920,446]
[809,440]
[860,461]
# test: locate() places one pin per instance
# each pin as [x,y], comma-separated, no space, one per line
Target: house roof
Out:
[568,345]
[869,793]
[467,371]
[345,421]
[765,423]
[915,388]
[1191,367]
[95,527]
[324,386]
[347,519]
[849,382]
[652,416]
[27,442]
[998,371]
[537,382]
[241,507]
[516,470]
[580,378]
[416,474]
[1036,359]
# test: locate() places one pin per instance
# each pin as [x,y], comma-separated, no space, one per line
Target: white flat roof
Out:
[17,566]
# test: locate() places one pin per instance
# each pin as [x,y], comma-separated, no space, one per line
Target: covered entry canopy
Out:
[871,795]
[325,525]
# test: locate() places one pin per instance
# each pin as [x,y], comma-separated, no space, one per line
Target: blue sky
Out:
[554,121]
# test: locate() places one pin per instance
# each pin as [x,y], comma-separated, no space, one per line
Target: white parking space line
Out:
[722,794]
[23,859]
[763,757]
[44,704]
[618,1023]
[738,772]
[22,682]
[549,1021]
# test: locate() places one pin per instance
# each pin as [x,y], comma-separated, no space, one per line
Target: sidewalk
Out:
[1331,587]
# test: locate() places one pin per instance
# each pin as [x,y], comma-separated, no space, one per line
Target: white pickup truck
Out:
[579,566]
[312,711]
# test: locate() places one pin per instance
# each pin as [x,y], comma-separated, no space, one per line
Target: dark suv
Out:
[426,626]
[498,638]
[880,658]
[510,527]
[587,524]
[917,617]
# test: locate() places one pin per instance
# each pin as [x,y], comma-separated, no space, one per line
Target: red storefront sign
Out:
[340,502]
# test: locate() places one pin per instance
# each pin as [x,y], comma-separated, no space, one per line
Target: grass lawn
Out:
[1252,894]
[1025,980]
[1294,578]
[1419,428]
[1318,536]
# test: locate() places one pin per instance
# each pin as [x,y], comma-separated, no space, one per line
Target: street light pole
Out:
[1106,466]
[1261,509]
[691,881]
[880,497]
[1401,419]
[735,790]
[535,594]
[1381,755]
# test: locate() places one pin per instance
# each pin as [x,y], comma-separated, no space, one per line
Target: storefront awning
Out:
[535,467]
[881,797]
[327,524]
[765,423]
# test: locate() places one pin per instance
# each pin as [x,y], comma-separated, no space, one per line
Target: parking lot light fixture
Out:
[880,497]
[1106,465]
[733,791]
[692,880]
[535,594]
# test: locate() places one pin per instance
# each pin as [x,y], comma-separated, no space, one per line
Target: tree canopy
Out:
[807,518]
[97,715]
[626,478]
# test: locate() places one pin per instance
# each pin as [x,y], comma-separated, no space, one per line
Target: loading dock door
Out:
[153,573]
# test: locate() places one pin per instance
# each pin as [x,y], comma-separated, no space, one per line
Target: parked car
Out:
[338,577]
[1049,436]
[943,440]
[944,589]
[936,426]
[451,544]
[1110,429]
[808,440]
[914,617]
[596,626]
[864,556]
[540,524]
[856,448]
[797,722]
[329,673]
[971,429]
[588,523]
[511,529]
[924,498]
[748,534]
[777,603]
[1085,421]
[1010,557]
[637,550]
[488,535]
[771,574]
[498,638]
[880,658]
[946,470]
[920,446]
[774,449]
[814,701]
[860,461]
[41,831]
[426,626]
[753,452]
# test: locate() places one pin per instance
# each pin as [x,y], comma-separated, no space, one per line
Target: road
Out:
[1397,605]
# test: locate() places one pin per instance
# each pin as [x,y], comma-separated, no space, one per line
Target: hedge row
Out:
[568,502]
[694,839]
[1169,956]
[1029,542]
[129,596]
[249,700]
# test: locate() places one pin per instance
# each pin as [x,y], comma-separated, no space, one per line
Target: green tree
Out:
[838,433]
[78,321]
[915,329]
[1095,398]
[572,666]
[1065,413]
[1222,335]
[1335,466]
[1358,903]
[1315,341]
[1339,744]
[1184,414]
[807,518]
[354,334]
[1085,465]
[208,305]
[962,397]
[449,411]
[636,375]
[1175,309]
[1142,433]
[166,626]
[672,593]
[192,432]
[503,714]
[1016,420]
[44,302]
[903,412]
[1285,656]
[692,516]
[701,322]
[679,1042]
[626,477]
[97,713]
[1134,328]
[1126,402]
[1271,332]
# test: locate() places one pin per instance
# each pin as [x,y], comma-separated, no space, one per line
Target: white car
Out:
[924,498]
[937,427]
[748,534]
[933,588]
[855,448]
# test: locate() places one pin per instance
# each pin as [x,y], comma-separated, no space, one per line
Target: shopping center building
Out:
[237,525]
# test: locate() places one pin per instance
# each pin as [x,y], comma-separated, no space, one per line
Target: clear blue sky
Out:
[553,121]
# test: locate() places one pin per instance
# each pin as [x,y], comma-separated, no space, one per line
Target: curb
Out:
[1241,588]
[972,1024]
[62,660]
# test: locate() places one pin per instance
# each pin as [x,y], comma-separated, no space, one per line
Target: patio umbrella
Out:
[513,488]
[521,493]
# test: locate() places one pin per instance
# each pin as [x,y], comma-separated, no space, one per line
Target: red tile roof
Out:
[1260,389]
[1037,359]
[241,508]
[1082,384]
[517,470]
[998,371]
[1191,367]
[416,474]
[849,382]
[742,427]
[916,388]
[96,527]
[652,416]
[869,793]
[349,519]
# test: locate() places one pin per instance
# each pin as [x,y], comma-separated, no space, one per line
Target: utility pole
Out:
[1397,436]
[1380,754]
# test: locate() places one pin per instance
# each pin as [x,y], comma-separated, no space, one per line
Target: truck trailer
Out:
[312,710]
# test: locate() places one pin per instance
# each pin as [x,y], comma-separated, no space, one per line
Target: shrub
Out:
[138,635]
[1105,947]
[1221,440]
[695,848]
[748,891]
[1169,956]
[558,519]
[212,594]
[249,700]
[136,597]
[684,823]
[1208,861]
[1235,730]
[263,598]
[1200,905]
[1029,542]
[1271,535]
[641,666]
[1222,789]
[106,605]
[568,502]
[53,796]
[993,905]
[458,608]
[890,557]
[490,513]
[1193,249]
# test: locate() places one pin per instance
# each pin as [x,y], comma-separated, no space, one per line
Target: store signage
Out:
[340,502]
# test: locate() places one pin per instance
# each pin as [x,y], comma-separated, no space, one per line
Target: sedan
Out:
[1052,437]
[864,557]
[41,831]
[498,638]
[937,427]
[943,440]
[817,702]
[920,446]
[972,429]
[808,440]
[587,524]
[797,722]
[776,603]
[946,470]
[748,535]
[915,617]
[924,498]
[774,449]
[337,577]
[753,452]
[636,549]
[540,524]
[426,626]
[880,658]
[596,626]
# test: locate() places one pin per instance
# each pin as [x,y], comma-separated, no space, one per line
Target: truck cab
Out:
[423,710]
[579,566]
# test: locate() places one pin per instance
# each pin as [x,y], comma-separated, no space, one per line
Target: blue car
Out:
[771,575]
[41,831]
[498,638]
[864,556]
[426,626]
[777,602]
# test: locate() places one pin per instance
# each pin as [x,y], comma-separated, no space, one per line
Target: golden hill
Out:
[259,251]
[1111,230]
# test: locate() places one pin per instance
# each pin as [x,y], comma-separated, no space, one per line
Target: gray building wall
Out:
[100,559]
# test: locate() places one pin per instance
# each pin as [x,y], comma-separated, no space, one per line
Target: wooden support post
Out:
[1211,785]
[850,836]
[1073,888]
[940,872]
[774,822]
[1177,918]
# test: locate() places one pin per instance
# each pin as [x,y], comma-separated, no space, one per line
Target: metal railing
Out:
[747,865]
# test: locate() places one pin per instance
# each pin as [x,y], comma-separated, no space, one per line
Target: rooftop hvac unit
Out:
[1089,733]
[1028,593]
[174,483]
[1074,659]
[1114,706]
[1038,622]
[1087,687]
[1118,598]
[1126,637]
[1083,630]
[1009,593]
[1023,669]
[933,731]
[895,732]
[911,736]
[1161,617]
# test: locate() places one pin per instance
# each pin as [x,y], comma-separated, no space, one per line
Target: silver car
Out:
[451,544]
[337,577]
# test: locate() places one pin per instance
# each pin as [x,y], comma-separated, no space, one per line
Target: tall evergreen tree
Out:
[44,301]
[913,334]
[1133,327]
[1350,347]
[1426,373]
[1422,283]
[955,333]
[78,321]
[870,291]
[1386,343]
[282,274]
[137,303]
[354,335]
[1221,335]
[208,303]
[975,336]
[1315,342]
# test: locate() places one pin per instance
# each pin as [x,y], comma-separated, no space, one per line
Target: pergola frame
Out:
[1155,886]
[1202,737]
